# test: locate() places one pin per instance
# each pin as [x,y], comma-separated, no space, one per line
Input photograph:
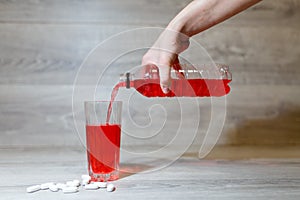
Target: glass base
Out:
[112,176]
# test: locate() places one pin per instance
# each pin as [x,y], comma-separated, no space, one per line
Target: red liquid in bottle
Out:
[183,87]
[103,148]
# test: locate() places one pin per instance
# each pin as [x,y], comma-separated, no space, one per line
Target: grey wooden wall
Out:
[43,43]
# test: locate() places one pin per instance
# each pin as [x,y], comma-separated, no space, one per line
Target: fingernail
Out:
[165,89]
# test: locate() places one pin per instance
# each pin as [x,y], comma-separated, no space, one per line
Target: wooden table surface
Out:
[187,178]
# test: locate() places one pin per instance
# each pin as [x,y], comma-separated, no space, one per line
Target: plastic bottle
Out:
[187,81]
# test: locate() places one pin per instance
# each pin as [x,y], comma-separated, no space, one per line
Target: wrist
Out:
[177,25]
[193,18]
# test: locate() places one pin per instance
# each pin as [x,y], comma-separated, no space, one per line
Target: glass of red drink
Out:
[103,135]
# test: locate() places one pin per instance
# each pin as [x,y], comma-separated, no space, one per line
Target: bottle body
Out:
[184,82]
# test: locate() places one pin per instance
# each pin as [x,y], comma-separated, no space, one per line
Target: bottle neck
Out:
[126,80]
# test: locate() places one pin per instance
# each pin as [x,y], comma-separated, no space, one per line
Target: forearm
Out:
[200,15]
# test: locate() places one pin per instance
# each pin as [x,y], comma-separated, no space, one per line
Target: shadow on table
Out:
[131,169]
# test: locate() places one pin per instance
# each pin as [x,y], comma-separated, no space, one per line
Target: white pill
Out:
[110,187]
[91,186]
[45,186]
[85,181]
[69,183]
[101,184]
[67,190]
[33,188]
[76,182]
[61,185]
[53,188]
[85,177]
[72,183]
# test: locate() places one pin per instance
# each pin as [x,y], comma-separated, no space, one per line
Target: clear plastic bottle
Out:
[187,81]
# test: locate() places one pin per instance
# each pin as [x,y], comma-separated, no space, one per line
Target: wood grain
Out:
[188,178]
[34,54]
[43,116]
[141,12]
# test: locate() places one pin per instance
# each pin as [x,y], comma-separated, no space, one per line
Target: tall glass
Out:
[103,136]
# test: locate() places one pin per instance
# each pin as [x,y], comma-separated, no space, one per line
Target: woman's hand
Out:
[164,54]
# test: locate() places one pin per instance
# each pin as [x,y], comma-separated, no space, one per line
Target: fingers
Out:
[165,78]
[163,61]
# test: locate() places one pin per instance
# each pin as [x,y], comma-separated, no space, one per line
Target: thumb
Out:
[165,78]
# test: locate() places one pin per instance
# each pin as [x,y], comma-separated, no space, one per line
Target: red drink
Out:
[103,150]
[112,99]
[184,88]
[181,87]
